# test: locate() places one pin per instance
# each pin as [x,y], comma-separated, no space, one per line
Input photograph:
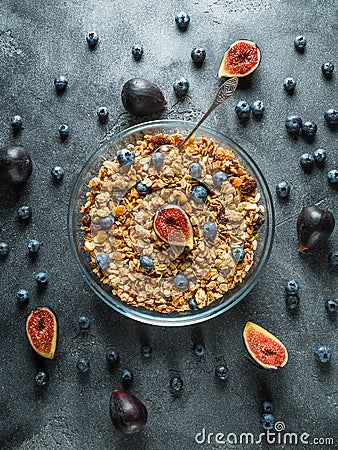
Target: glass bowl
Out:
[108,151]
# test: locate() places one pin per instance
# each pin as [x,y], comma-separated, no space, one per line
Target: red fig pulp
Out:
[172,225]
[314,225]
[127,412]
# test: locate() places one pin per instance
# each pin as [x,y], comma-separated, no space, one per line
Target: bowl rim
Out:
[166,319]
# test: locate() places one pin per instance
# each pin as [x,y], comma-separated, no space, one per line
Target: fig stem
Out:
[302,249]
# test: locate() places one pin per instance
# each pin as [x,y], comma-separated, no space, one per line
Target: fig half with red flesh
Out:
[264,348]
[41,329]
[240,59]
[172,225]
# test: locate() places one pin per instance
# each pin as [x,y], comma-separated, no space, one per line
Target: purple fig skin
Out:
[128,414]
[314,225]
[15,165]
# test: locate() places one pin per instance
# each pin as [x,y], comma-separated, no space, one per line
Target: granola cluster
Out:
[210,266]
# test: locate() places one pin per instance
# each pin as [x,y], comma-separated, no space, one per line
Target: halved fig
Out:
[172,225]
[264,348]
[240,59]
[41,329]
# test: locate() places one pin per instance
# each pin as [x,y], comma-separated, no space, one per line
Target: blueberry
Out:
[292,301]
[146,351]
[16,122]
[292,287]
[57,173]
[332,176]
[219,177]
[307,160]
[333,258]
[283,189]
[267,421]
[157,160]
[267,407]
[309,128]
[327,69]
[112,356]
[146,262]
[33,246]
[182,20]
[289,84]
[83,364]
[24,213]
[102,114]
[42,278]
[331,116]
[125,156]
[83,322]
[176,384]
[293,124]
[193,304]
[331,306]
[320,155]
[127,376]
[300,43]
[258,108]
[181,87]
[195,170]
[106,222]
[60,83]
[181,282]
[102,261]
[41,378]
[137,51]
[142,189]
[22,296]
[199,349]
[92,39]
[4,248]
[199,193]
[323,354]
[63,131]
[221,372]
[210,230]
[242,109]
[198,55]
[238,254]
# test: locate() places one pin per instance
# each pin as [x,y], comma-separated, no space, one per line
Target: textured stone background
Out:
[39,39]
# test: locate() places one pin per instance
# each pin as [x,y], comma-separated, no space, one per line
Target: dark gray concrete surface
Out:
[39,39]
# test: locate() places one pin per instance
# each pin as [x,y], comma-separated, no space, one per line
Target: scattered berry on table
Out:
[146,262]
[238,254]
[42,278]
[332,176]
[127,376]
[327,69]
[33,246]
[198,55]
[63,131]
[157,160]
[267,421]
[195,170]
[242,109]
[182,20]
[199,193]
[125,156]
[176,384]
[331,306]
[83,322]
[137,51]
[22,296]
[181,87]
[102,261]
[300,43]
[292,287]
[181,282]
[142,189]
[41,378]
[57,173]
[92,39]
[320,155]
[24,213]
[258,108]
[102,114]
[193,304]
[219,178]
[146,351]
[309,128]
[292,301]
[289,84]
[106,222]
[60,83]
[199,349]
[333,258]
[307,160]
[283,189]
[221,372]
[83,364]
[267,407]
[293,124]
[210,230]
[112,356]
[331,116]
[323,354]
[16,122]
[4,248]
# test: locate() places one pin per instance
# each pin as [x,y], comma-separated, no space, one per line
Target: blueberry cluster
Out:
[243,109]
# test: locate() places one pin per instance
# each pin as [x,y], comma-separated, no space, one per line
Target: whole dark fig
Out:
[127,412]
[15,165]
[314,225]
[141,97]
